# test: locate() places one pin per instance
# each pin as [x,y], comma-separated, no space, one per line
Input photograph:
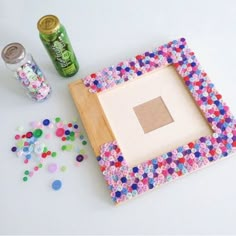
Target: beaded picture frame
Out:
[124,181]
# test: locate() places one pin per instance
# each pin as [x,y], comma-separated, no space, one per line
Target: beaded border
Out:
[126,182]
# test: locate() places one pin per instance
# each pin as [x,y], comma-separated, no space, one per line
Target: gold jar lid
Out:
[48,24]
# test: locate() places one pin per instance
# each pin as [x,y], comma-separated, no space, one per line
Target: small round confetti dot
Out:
[82,151]
[20,144]
[52,167]
[46,122]
[29,134]
[37,133]
[67,132]
[31,174]
[63,147]
[13,149]
[17,137]
[57,119]
[80,158]
[26,172]
[63,168]
[36,168]
[69,147]
[48,136]
[25,178]
[40,165]
[56,184]
[84,142]
[53,154]
[60,132]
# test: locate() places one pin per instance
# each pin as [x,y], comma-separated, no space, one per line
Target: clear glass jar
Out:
[26,71]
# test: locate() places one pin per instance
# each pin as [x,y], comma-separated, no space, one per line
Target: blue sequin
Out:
[118,194]
[197,154]
[120,158]
[135,169]
[134,186]
[123,180]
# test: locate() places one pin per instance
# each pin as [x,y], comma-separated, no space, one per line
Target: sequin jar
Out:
[26,71]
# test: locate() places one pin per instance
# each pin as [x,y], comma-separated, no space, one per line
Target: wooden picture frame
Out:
[127,181]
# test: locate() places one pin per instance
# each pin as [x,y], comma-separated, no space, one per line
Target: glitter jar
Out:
[26,71]
[56,41]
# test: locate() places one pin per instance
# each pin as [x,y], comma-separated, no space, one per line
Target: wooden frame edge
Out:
[92,115]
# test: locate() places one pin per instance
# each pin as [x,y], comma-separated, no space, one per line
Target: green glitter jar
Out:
[56,41]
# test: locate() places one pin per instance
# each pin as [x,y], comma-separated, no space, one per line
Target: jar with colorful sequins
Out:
[26,71]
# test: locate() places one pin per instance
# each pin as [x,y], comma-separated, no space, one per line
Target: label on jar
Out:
[62,53]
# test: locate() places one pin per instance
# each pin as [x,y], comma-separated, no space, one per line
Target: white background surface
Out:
[104,33]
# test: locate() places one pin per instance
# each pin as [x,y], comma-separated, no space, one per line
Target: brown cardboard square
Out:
[153,114]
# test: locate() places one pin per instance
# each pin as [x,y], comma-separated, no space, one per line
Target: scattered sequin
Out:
[32,147]
[56,184]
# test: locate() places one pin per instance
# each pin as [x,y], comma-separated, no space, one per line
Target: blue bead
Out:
[118,68]
[127,69]
[99,158]
[225,154]
[197,154]
[155,166]
[46,122]
[67,132]
[181,46]
[217,103]
[124,191]
[169,154]
[134,186]
[154,161]
[180,149]
[145,175]
[96,82]
[169,60]
[222,112]
[150,181]
[139,73]
[28,156]
[56,185]
[193,64]
[118,194]
[180,166]
[151,55]
[76,126]
[188,151]
[123,180]
[210,158]
[120,158]
[25,149]
[135,169]
[151,186]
